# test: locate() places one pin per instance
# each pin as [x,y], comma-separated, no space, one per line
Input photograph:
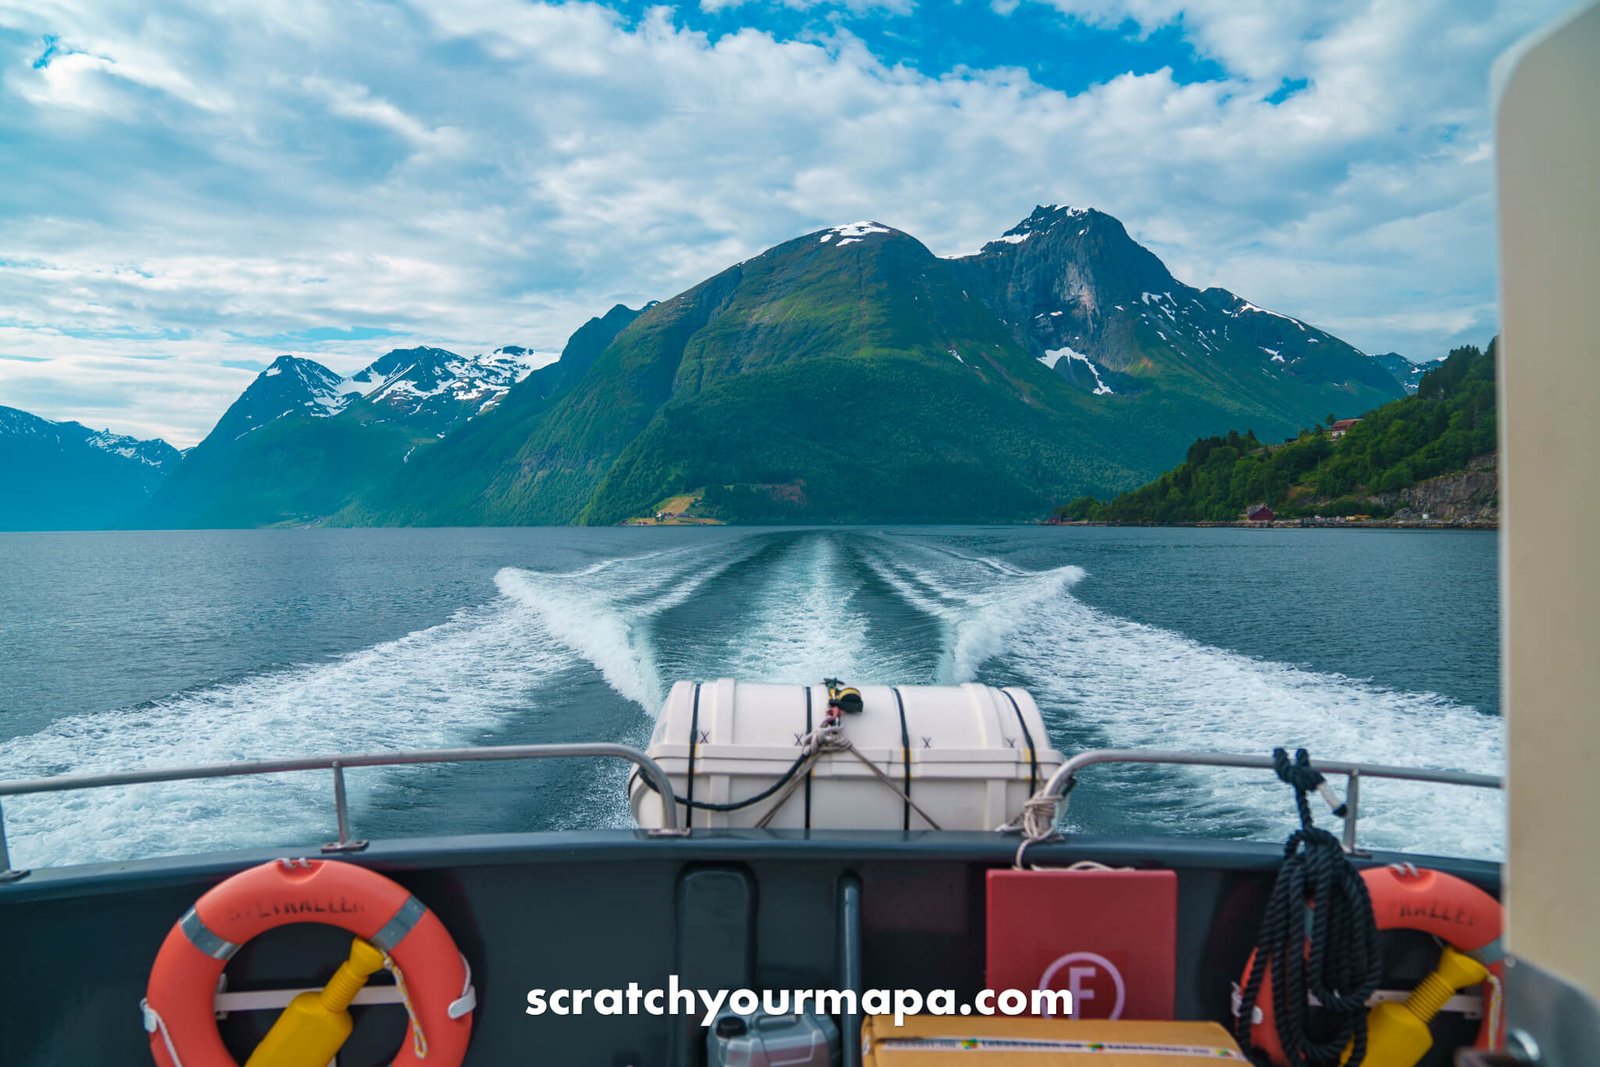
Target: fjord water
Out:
[129,650]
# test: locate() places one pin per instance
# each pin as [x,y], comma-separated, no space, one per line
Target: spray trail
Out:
[606,613]
[979,602]
[807,622]
[446,685]
[1107,681]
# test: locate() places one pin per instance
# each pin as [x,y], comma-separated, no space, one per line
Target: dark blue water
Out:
[149,649]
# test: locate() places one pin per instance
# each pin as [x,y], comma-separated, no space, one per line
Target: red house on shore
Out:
[1260,513]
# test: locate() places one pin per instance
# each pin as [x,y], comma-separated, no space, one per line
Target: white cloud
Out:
[496,171]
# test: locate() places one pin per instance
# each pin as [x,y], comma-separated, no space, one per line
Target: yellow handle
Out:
[1398,1034]
[1454,972]
[351,976]
[315,1026]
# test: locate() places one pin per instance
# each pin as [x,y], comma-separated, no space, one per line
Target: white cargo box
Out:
[969,756]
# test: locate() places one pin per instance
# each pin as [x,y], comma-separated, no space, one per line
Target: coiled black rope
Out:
[1319,897]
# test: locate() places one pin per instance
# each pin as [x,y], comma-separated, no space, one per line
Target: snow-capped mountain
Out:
[1406,372]
[65,476]
[1062,358]
[290,386]
[302,438]
[1080,294]
[433,389]
[429,389]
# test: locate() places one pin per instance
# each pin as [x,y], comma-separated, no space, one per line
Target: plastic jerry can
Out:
[762,1040]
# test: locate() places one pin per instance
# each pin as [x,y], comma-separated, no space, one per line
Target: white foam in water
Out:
[436,687]
[979,602]
[603,612]
[1125,684]
[805,625]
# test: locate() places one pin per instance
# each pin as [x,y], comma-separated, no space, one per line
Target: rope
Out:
[910,804]
[830,738]
[1319,892]
[419,1040]
[154,1023]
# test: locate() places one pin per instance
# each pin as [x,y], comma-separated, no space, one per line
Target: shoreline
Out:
[1293,524]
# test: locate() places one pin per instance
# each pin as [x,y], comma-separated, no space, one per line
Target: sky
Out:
[189,189]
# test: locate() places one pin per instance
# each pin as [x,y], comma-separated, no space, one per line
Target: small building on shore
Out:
[1259,513]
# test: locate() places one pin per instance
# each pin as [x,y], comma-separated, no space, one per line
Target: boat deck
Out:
[720,909]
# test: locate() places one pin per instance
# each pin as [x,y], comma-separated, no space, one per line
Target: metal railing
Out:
[1052,796]
[338,765]
[1056,790]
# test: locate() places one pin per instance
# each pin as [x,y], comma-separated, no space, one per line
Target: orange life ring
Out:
[179,1010]
[1408,898]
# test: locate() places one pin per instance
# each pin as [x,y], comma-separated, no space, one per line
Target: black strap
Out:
[905,754]
[694,736]
[808,770]
[1027,739]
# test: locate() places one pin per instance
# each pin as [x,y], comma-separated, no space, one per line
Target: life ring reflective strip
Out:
[1405,897]
[437,984]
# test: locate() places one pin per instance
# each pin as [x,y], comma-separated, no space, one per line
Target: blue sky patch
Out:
[48,54]
[1289,87]
[1057,51]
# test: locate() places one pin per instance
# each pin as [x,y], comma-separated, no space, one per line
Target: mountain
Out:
[301,440]
[845,375]
[852,375]
[1407,373]
[583,348]
[1076,291]
[840,375]
[65,476]
[1430,455]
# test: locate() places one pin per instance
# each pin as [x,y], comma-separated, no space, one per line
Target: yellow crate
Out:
[925,1041]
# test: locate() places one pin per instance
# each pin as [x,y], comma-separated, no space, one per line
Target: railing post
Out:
[850,965]
[6,873]
[341,814]
[1352,808]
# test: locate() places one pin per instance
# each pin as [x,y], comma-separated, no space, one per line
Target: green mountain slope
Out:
[478,473]
[850,374]
[1446,428]
[847,375]
[840,375]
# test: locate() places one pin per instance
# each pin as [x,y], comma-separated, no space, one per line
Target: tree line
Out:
[1446,423]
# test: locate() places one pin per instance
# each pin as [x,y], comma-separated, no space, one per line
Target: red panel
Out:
[1109,936]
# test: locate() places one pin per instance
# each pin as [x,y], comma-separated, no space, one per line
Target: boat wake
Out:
[790,607]
[1104,681]
[446,685]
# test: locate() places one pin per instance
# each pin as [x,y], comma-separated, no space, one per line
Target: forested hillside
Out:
[1447,426]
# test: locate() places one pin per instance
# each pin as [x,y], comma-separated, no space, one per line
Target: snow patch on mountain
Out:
[1245,306]
[1056,355]
[154,453]
[852,232]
